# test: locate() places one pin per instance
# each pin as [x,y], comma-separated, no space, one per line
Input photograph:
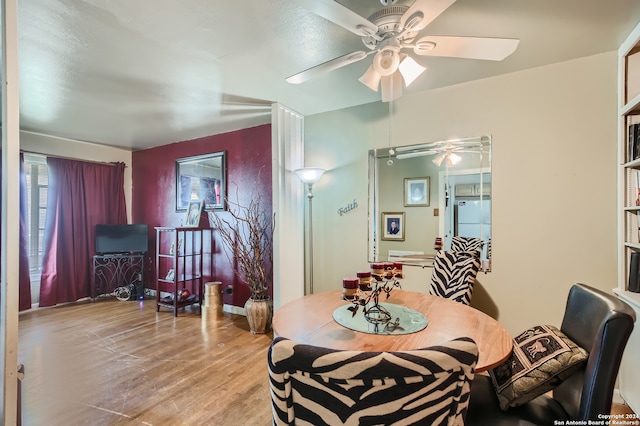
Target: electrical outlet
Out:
[436,212]
[228,290]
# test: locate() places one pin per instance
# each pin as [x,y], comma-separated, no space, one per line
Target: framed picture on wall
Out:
[416,192]
[392,226]
[192,220]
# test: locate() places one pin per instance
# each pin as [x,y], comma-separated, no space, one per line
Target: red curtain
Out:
[24,280]
[80,196]
[24,289]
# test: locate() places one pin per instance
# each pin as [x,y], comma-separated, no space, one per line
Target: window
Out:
[35,169]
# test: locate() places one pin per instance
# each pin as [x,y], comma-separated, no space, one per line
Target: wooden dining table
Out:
[309,320]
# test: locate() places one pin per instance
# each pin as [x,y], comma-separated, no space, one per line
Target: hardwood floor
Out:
[121,363]
[623,410]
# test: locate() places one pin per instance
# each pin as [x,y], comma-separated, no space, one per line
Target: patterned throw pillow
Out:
[542,358]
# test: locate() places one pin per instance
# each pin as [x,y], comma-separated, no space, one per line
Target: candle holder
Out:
[373,311]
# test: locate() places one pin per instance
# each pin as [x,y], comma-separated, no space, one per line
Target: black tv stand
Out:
[118,274]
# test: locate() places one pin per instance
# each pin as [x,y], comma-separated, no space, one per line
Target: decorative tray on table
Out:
[378,317]
[403,320]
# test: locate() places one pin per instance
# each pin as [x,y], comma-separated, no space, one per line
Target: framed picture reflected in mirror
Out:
[202,177]
[393,226]
[416,192]
[193,213]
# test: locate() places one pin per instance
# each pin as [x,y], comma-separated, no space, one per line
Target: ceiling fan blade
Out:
[415,154]
[331,65]
[340,15]
[422,12]
[440,146]
[490,49]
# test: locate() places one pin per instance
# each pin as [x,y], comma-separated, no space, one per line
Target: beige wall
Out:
[554,174]
[48,145]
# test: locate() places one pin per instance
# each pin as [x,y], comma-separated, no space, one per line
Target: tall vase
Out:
[259,314]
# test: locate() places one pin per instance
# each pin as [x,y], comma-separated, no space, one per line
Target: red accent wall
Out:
[248,159]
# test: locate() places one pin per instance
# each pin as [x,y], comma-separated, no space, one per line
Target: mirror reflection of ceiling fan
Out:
[389,32]
[444,150]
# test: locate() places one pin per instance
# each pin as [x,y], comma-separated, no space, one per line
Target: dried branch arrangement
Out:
[248,236]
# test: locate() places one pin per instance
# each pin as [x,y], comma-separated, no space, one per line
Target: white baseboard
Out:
[151,293]
[617,397]
[234,309]
[225,308]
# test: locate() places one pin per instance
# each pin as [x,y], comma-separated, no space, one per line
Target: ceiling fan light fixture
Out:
[371,78]
[386,61]
[410,70]
[438,160]
[453,159]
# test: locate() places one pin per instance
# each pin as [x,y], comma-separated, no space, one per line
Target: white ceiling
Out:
[143,73]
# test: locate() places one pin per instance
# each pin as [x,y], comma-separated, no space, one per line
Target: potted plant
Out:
[247,234]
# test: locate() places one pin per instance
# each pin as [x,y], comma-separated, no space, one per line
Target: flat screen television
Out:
[113,239]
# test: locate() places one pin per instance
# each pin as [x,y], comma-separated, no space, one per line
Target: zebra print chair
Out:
[470,244]
[453,276]
[320,386]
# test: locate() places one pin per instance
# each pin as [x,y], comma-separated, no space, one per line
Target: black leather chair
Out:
[598,322]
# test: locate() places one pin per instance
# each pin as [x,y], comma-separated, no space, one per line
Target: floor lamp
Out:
[310,175]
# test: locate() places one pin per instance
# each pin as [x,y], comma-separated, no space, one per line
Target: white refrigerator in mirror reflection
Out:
[473,219]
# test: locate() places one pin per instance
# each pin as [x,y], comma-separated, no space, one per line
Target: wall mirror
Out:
[439,190]
[201,178]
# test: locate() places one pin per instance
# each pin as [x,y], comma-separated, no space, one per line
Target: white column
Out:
[10,212]
[287,130]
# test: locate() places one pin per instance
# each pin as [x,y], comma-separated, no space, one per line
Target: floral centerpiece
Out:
[248,237]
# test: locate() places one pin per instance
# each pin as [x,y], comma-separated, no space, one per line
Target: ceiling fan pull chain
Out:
[391,150]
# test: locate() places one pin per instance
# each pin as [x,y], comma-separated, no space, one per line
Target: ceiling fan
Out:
[390,31]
